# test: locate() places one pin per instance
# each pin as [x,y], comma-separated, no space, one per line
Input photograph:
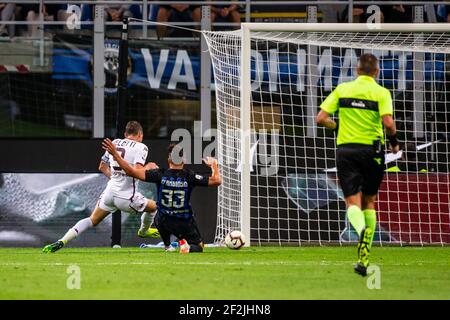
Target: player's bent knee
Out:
[98,215]
[151,206]
[94,221]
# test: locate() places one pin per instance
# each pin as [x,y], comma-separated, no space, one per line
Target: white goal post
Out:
[238,111]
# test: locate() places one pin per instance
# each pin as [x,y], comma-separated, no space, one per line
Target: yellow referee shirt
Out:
[361,104]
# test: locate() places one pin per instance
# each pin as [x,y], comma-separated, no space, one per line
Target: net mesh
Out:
[295,195]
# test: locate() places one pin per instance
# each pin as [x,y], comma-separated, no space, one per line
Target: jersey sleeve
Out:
[153,175]
[105,157]
[385,103]
[331,103]
[198,180]
[141,155]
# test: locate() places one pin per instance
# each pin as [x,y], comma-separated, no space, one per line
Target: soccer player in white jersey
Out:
[120,193]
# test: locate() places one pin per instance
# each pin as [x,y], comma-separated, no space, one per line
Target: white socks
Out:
[78,228]
[83,225]
[146,220]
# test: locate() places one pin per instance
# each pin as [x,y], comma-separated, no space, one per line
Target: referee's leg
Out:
[370,215]
[351,180]
[373,177]
[373,172]
[350,163]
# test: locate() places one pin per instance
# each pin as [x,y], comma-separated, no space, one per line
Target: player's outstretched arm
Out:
[215,179]
[138,173]
[104,168]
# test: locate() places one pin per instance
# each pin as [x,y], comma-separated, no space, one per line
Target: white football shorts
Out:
[110,202]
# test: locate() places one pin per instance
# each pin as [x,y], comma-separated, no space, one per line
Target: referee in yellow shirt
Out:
[364,107]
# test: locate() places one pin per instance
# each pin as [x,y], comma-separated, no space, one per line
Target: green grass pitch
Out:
[220,273]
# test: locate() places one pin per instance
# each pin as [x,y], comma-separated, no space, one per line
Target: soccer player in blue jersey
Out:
[175,185]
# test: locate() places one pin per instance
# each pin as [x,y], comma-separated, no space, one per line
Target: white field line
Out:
[206,263]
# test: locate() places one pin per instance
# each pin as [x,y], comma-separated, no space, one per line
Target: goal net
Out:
[279,177]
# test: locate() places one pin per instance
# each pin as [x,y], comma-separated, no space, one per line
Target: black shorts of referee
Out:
[182,228]
[359,168]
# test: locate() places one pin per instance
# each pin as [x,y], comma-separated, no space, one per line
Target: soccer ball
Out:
[235,240]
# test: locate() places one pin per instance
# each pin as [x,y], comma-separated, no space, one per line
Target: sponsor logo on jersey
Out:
[175,184]
[358,104]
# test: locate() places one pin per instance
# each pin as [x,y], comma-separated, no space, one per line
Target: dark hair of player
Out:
[368,64]
[133,128]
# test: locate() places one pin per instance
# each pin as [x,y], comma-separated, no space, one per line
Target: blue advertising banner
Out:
[176,65]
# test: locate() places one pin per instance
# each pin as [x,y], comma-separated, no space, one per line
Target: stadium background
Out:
[47,127]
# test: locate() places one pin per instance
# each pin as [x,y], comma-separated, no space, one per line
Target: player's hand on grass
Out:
[210,161]
[151,166]
[107,145]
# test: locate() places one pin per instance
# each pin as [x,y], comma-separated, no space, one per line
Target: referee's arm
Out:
[329,106]
[391,132]
[323,119]
[386,111]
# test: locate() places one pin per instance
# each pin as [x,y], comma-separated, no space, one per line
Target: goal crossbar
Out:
[347,27]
